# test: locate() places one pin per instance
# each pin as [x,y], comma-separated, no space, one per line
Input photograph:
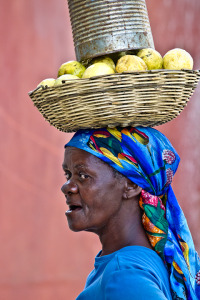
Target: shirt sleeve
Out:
[131,284]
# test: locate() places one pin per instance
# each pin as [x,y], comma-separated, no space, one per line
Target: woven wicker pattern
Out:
[148,98]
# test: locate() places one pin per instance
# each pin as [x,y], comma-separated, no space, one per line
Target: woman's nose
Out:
[69,187]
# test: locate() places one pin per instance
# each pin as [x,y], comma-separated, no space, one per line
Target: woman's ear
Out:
[131,190]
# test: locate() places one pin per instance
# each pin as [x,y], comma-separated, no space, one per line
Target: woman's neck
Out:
[126,229]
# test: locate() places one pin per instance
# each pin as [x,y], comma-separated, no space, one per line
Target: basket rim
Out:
[142,98]
[137,73]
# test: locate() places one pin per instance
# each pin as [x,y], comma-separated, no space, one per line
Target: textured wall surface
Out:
[40,258]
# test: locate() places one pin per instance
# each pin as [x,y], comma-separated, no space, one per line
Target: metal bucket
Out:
[107,26]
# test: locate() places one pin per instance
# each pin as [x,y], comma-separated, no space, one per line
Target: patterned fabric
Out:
[146,157]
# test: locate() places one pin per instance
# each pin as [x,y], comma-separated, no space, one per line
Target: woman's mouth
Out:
[73,208]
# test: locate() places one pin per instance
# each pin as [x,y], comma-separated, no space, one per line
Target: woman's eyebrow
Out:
[64,166]
[80,166]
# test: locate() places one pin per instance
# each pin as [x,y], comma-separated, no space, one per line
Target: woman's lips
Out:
[73,208]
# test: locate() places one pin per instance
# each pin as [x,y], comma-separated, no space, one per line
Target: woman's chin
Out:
[74,227]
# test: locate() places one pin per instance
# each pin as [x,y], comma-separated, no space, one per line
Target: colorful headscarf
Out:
[146,157]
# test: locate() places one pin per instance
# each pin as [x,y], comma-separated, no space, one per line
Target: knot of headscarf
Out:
[147,158]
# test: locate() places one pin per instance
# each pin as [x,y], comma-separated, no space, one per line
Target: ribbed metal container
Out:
[106,26]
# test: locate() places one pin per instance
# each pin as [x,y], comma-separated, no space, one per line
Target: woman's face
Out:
[93,193]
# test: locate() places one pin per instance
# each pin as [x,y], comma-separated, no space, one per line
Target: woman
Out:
[119,187]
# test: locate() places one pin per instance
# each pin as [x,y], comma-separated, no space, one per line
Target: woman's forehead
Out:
[79,156]
[73,151]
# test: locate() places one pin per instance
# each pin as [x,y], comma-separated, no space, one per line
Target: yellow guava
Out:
[177,59]
[63,78]
[98,69]
[152,58]
[47,82]
[130,63]
[104,59]
[71,67]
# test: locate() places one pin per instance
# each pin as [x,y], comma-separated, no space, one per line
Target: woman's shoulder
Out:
[139,269]
[136,257]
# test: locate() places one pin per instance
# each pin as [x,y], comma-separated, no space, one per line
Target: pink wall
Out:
[40,258]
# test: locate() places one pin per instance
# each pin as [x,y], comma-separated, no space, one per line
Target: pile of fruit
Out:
[145,59]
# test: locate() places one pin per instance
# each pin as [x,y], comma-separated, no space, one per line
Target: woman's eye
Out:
[67,175]
[83,176]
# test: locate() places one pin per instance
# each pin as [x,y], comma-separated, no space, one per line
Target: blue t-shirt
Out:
[133,272]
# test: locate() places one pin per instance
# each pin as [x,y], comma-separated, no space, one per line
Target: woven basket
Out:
[146,98]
